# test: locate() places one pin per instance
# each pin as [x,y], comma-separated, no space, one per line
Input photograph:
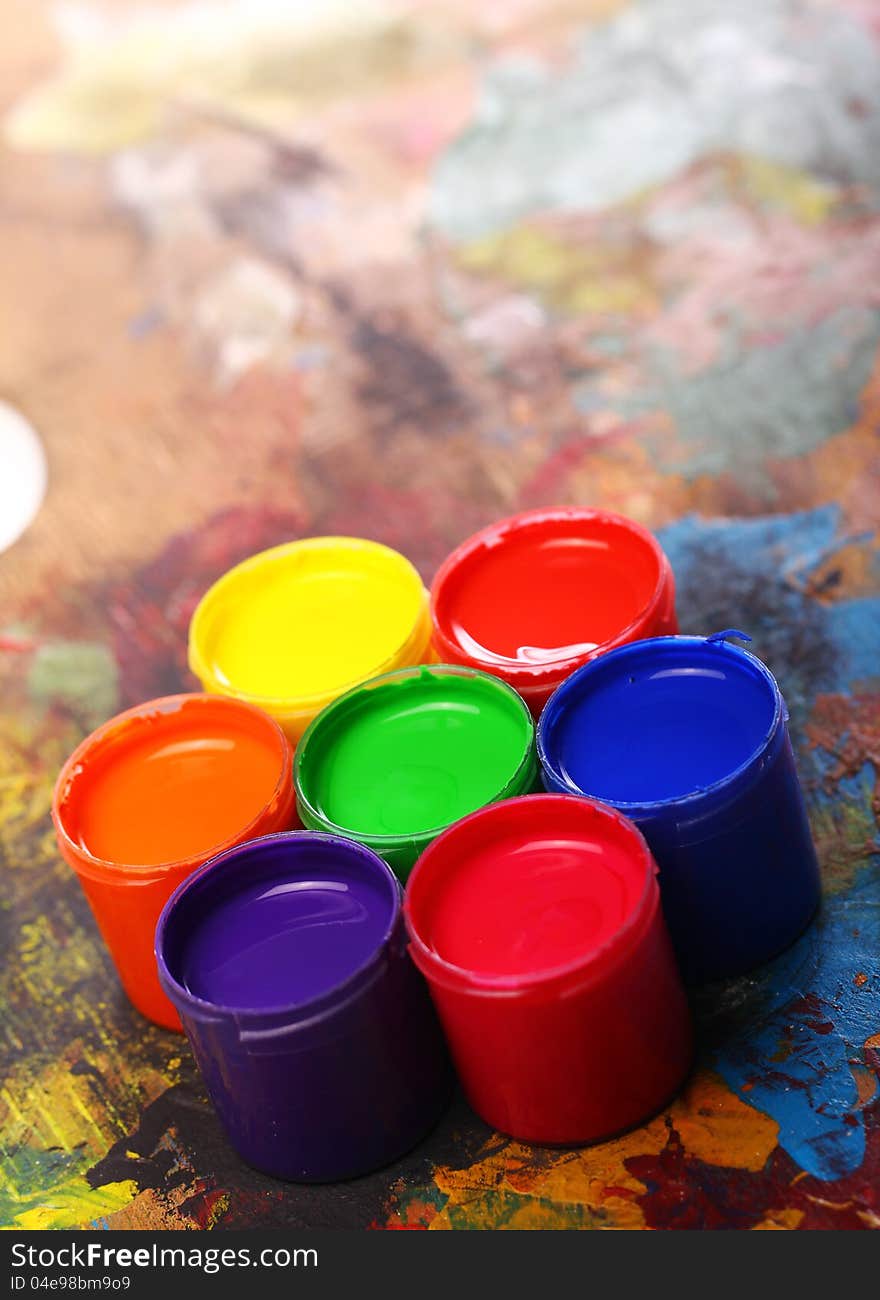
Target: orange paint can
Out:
[149,797]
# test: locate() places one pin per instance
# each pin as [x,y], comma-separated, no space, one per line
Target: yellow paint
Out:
[803,197]
[55,1126]
[153,1211]
[571,274]
[256,60]
[780,1221]
[719,1129]
[516,1186]
[295,626]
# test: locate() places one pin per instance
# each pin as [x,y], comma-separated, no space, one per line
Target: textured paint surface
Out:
[415,754]
[403,294]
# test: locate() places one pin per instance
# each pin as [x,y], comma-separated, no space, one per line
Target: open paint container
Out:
[152,794]
[537,924]
[533,597]
[395,761]
[295,626]
[687,736]
[287,960]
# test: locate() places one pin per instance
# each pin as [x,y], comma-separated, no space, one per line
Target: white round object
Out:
[23,474]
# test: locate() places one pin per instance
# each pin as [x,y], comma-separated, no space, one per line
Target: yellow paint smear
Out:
[803,197]
[577,277]
[75,1206]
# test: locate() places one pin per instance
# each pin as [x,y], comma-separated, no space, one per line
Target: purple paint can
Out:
[286,958]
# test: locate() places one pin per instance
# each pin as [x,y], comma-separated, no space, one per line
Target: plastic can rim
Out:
[536,675]
[595,964]
[290,1013]
[525,772]
[290,708]
[86,863]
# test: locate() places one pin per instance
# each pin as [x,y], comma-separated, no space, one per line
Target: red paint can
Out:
[534,597]
[538,927]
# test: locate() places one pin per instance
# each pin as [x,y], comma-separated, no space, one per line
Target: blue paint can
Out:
[688,737]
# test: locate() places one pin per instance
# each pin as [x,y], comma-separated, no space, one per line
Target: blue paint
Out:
[784,1010]
[687,736]
[855,627]
[795,543]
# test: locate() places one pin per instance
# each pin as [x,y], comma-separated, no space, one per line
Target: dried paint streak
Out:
[800,1027]
[710,1162]
[567,272]
[515,1186]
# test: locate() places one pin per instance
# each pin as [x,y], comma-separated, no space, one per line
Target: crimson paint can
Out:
[537,924]
[533,597]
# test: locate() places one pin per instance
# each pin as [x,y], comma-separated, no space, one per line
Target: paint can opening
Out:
[395,761]
[536,594]
[281,924]
[170,783]
[663,720]
[539,888]
[295,626]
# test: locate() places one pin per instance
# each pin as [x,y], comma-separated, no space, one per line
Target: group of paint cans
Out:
[244,851]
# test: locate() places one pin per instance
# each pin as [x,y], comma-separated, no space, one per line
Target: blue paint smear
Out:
[808,1009]
[855,629]
[798,542]
[785,1038]
[790,548]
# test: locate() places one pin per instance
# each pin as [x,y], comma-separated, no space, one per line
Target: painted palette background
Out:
[400,269]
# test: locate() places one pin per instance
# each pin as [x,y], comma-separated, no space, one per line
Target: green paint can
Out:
[395,761]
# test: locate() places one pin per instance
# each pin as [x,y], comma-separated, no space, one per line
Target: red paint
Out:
[551,900]
[537,924]
[148,798]
[535,596]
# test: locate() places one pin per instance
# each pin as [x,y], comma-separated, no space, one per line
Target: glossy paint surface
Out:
[296,625]
[529,902]
[287,938]
[415,752]
[539,590]
[537,925]
[175,786]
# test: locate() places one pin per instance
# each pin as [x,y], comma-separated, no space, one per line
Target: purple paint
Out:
[286,959]
[283,943]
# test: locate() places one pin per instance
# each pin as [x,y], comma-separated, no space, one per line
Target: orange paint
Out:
[148,798]
[175,792]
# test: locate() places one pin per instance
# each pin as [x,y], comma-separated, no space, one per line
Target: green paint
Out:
[394,762]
